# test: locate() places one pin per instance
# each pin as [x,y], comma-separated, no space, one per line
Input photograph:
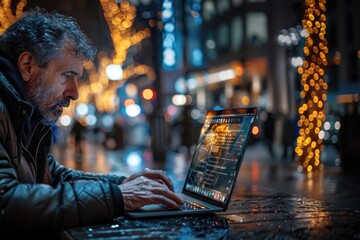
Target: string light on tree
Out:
[313,94]
[7,15]
[119,16]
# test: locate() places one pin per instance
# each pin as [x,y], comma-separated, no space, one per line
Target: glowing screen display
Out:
[218,155]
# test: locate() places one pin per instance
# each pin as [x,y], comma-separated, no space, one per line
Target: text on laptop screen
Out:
[218,154]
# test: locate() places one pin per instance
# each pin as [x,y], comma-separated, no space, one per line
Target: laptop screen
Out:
[219,153]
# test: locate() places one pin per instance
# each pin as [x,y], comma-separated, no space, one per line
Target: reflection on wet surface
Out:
[205,227]
[271,200]
[254,213]
[263,213]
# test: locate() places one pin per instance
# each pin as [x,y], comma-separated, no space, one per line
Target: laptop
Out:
[215,164]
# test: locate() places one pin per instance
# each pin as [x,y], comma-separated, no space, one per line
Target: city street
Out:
[263,93]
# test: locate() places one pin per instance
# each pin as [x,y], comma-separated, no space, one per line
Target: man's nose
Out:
[72,91]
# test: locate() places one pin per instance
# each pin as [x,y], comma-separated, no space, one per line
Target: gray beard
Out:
[37,96]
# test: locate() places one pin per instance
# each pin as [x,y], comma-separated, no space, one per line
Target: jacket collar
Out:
[13,95]
[12,74]
[26,119]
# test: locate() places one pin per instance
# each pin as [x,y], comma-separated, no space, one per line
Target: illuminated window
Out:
[169,43]
[210,46]
[223,36]
[237,3]
[197,57]
[256,29]
[194,20]
[223,6]
[209,10]
[237,34]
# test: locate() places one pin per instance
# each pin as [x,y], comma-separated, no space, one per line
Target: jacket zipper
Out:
[32,134]
[28,143]
[33,158]
[41,139]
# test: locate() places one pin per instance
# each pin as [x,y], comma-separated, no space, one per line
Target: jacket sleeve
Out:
[71,202]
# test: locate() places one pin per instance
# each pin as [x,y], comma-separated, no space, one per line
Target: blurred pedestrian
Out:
[288,137]
[189,130]
[115,136]
[77,131]
[41,58]
[268,130]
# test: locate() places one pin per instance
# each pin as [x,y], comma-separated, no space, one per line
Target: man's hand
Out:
[157,175]
[149,187]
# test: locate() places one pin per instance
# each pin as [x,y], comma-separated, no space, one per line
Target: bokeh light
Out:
[312,111]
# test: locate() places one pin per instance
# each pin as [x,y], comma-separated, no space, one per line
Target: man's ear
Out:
[26,65]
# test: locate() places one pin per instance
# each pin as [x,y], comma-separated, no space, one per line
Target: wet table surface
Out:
[254,213]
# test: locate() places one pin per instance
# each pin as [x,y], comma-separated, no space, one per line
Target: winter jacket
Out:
[37,192]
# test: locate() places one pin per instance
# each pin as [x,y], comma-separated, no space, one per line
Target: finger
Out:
[146,183]
[161,182]
[168,202]
[164,191]
[157,187]
[136,175]
[147,191]
[159,174]
[139,180]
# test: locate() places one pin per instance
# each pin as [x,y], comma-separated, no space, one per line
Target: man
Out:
[41,57]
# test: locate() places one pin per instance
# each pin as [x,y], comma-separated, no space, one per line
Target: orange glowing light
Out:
[129,102]
[148,94]
[255,130]
[7,15]
[239,70]
[312,112]
[245,100]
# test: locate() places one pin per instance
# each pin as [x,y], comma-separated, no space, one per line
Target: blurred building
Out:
[265,38]
[224,53]
[246,52]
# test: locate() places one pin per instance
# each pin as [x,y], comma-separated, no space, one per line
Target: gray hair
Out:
[46,36]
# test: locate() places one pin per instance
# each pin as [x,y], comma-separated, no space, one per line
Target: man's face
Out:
[54,86]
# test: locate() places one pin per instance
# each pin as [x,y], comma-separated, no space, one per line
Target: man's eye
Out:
[68,77]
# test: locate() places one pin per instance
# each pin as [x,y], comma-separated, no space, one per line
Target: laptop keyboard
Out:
[191,205]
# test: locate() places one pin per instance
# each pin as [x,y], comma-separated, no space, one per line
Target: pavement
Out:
[271,199]
[254,213]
